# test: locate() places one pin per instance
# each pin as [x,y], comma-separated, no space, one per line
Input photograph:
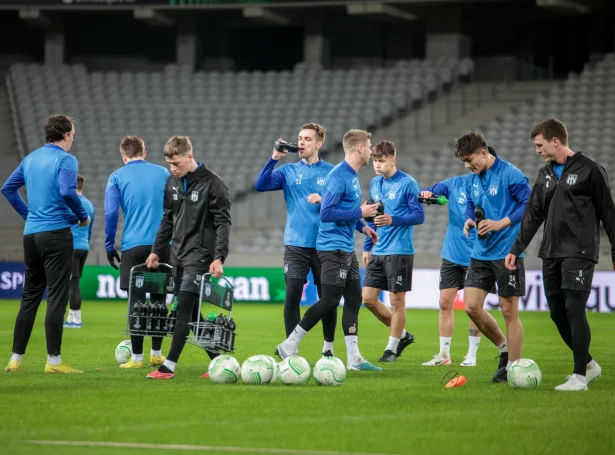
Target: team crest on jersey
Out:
[462,198]
[139,281]
[298,179]
[493,190]
[194,197]
[320,181]
[572,179]
[392,195]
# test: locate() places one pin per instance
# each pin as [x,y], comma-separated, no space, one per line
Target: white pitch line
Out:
[138,445]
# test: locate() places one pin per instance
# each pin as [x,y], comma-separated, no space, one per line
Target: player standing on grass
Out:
[340,214]
[456,251]
[138,189]
[571,196]
[501,191]
[302,183]
[389,263]
[197,219]
[50,176]
[81,247]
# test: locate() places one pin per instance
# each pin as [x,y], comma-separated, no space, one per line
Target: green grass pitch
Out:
[401,410]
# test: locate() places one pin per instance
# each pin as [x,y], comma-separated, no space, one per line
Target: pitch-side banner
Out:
[267,285]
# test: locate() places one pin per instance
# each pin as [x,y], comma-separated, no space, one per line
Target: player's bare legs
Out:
[395,319]
[378,309]
[486,323]
[514,328]
[474,299]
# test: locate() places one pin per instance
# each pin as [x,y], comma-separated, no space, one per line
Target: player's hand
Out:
[152,261]
[510,261]
[487,226]
[470,224]
[84,223]
[216,268]
[314,198]
[367,255]
[383,220]
[426,194]
[370,233]
[112,256]
[277,154]
[368,210]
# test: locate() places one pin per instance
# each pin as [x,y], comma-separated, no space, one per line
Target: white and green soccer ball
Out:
[257,370]
[224,369]
[329,371]
[274,367]
[294,370]
[123,351]
[524,374]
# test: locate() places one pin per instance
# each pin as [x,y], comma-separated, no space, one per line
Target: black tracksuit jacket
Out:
[571,209]
[196,218]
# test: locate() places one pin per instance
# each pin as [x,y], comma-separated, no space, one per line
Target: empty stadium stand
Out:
[232,117]
[585,103]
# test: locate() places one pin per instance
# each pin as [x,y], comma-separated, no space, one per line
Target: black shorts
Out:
[188,278]
[391,273]
[298,261]
[567,273]
[452,276]
[79,258]
[138,255]
[338,266]
[484,274]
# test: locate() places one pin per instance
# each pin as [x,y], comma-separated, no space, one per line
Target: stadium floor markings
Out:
[138,445]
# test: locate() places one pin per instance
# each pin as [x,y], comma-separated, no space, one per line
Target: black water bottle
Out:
[232,326]
[218,330]
[172,317]
[158,317]
[226,333]
[479,214]
[148,318]
[165,318]
[379,210]
[136,323]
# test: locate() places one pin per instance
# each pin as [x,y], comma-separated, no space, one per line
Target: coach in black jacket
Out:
[197,219]
[571,196]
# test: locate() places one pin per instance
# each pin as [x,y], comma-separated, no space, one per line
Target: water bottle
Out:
[479,214]
[232,326]
[158,313]
[208,331]
[173,317]
[218,330]
[148,318]
[225,331]
[165,317]
[437,200]
[136,323]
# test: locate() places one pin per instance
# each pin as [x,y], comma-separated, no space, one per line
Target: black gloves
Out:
[111,257]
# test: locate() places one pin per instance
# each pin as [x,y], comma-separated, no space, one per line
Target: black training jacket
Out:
[571,210]
[197,218]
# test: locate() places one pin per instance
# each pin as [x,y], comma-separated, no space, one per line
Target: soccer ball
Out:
[329,371]
[256,370]
[524,374]
[224,369]
[294,370]
[123,352]
[274,366]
